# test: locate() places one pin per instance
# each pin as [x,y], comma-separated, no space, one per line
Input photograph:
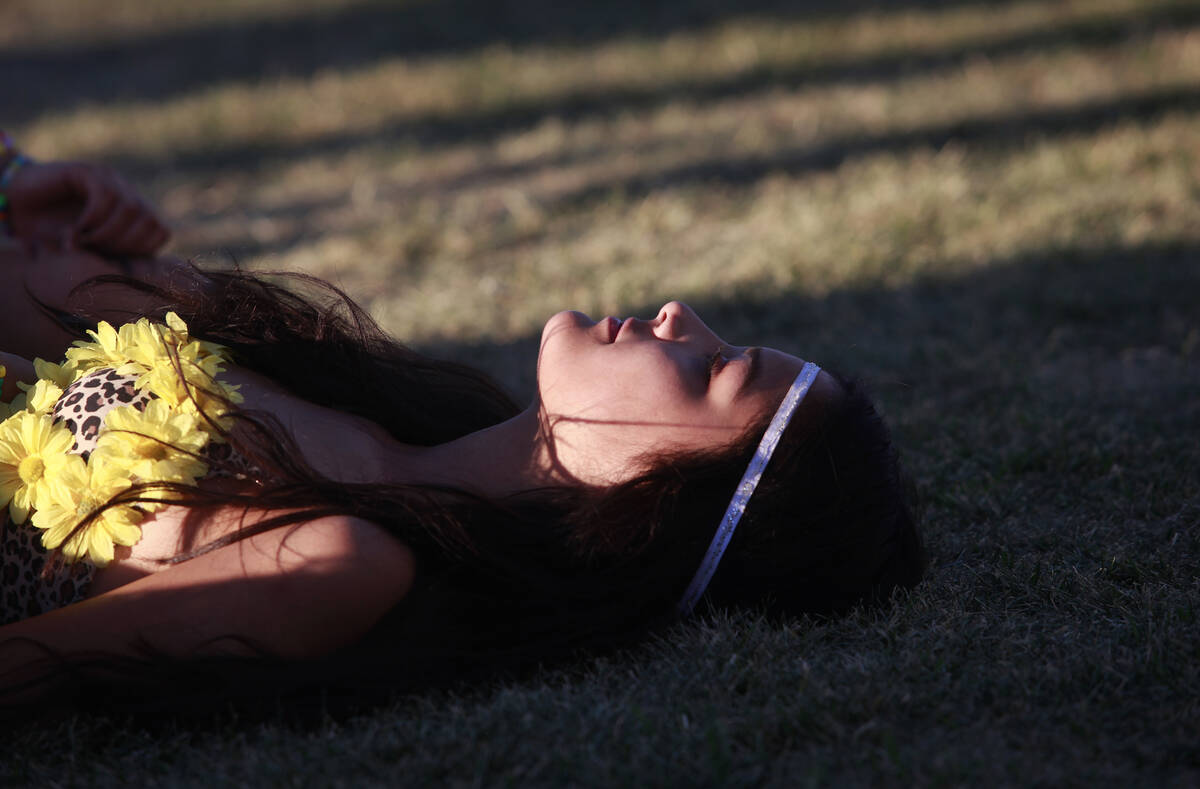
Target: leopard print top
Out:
[81,408]
[25,592]
[84,404]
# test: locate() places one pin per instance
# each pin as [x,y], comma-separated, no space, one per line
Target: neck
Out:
[500,460]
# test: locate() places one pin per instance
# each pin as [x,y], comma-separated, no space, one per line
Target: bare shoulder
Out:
[359,561]
[306,588]
[330,543]
[337,576]
[349,550]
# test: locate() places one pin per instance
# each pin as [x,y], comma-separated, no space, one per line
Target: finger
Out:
[124,188]
[100,201]
[160,233]
[155,233]
[113,226]
[154,238]
[135,238]
[160,239]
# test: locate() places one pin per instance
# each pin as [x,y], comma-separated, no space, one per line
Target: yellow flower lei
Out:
[161,443]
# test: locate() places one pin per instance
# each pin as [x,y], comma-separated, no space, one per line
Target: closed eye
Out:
[714,363]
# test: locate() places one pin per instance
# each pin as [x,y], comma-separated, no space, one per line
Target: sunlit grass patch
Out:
[804,186]
[500,78]
[65,23]
[467,268]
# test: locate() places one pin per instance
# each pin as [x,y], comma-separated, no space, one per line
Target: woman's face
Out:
[616,392]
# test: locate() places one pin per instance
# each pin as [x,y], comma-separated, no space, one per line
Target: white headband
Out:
[745,488]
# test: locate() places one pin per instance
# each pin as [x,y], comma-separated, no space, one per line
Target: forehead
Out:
[776,372]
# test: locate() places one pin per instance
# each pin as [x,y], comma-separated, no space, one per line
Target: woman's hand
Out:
[72,205]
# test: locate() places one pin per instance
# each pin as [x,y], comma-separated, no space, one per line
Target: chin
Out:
[565,320]
[559,327]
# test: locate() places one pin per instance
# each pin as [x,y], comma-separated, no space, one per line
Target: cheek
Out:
[568,375]
[595,392]
[587,382]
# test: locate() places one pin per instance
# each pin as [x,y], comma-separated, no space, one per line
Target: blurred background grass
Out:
[990,210]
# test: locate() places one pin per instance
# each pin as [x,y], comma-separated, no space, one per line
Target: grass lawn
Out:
[989,211]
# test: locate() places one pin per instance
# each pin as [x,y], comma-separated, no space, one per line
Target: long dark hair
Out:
[544,574]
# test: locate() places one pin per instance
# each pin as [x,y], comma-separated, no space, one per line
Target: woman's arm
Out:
[53,278]
[294,592]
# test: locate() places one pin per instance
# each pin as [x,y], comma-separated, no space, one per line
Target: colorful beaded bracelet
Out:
[10,170]
[6,147]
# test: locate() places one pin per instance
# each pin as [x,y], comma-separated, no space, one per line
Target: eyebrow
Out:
[755,370]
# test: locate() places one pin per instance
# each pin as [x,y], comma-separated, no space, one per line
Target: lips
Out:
[612,327]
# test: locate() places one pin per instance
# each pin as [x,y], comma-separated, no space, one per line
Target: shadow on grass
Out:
[438,130]
[999,133]
[159,66]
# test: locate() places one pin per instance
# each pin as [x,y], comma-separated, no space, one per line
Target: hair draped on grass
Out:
[507,584]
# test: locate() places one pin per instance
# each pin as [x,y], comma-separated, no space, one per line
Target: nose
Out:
[677,320]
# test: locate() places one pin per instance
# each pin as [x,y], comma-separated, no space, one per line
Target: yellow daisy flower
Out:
[161,351]
[32,448]
[143,345]
[62,375]
[153,445]
[177,331]
[37,473]
[148,344]
[197,393]
[176,325]
[107,349]
[42,396]
[80,489]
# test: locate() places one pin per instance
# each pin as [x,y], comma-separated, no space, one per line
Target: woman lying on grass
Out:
[243,490]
